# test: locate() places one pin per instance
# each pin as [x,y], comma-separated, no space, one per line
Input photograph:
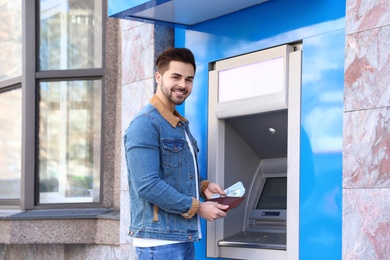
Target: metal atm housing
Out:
[253,137]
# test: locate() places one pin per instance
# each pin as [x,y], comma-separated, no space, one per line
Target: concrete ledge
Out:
[74,226]
[62,214]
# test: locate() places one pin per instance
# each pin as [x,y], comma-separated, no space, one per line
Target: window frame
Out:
[30,107]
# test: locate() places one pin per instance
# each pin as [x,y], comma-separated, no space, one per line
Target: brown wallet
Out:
[233,202]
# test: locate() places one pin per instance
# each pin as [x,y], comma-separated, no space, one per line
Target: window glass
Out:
[10,143]
[69,141]
[70,34]
[10,39]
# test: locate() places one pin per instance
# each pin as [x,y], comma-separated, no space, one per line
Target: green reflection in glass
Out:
[69,141]
[10,39]
[10,143]
[70,34]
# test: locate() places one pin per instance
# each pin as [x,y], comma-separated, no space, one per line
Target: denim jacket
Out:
[161,175]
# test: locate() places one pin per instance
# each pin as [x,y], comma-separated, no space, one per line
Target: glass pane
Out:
[70,34]
[10,39]
[10,143]
[69,141]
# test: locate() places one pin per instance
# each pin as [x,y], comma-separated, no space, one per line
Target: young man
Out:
[164,181]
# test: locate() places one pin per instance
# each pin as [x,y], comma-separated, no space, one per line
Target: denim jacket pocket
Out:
[172,152]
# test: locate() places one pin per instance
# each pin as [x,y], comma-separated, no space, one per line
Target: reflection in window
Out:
[10,39]
[69,141]
[70,34]
[10,143]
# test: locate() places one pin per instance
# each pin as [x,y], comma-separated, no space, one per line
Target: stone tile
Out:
[3,251]
[367,69]
[366,224]
[53,231]
[66,251]
[124,181]
[366,14]
[134,97]
[35,252]
[125,219]
[5,228]
[137,53]
[366,148]
[98,252]
[129,24]
[107,232]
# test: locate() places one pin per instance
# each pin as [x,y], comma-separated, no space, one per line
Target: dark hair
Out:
[174,54]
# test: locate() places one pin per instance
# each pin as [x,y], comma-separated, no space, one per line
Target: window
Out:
[70,34]
[10,101]
[69,108]
[10,39]
[51,84]
[69,141]
[10,142]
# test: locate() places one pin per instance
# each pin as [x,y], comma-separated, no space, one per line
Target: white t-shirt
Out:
[149,242]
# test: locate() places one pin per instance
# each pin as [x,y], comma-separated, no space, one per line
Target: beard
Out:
[171,96]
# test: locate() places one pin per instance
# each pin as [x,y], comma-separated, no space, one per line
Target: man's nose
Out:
[182,82]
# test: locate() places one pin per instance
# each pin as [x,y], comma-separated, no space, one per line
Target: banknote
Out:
[236,190]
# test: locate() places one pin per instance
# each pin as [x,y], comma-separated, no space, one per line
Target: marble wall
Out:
[141,44]
[366,162]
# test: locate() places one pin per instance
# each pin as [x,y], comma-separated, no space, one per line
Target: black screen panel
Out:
[274,194]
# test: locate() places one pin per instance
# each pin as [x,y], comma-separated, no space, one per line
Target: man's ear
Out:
[158,77]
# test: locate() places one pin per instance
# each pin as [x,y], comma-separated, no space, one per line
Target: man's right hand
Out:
[211,210]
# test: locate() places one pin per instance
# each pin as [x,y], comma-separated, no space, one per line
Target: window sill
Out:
[63,226]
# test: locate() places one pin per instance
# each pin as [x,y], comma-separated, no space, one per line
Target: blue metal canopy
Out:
[176,12]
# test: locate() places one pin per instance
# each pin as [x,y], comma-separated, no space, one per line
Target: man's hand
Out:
[211,210]
[213,188]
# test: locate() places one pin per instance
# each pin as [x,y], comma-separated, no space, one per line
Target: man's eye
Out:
[189,80]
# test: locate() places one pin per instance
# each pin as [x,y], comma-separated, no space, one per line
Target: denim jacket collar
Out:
[172,118]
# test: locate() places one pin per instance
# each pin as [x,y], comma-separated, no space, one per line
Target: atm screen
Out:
[274,194]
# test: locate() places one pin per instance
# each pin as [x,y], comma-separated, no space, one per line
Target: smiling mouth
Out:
[180,91]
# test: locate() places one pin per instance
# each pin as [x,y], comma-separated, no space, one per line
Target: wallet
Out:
[233,202]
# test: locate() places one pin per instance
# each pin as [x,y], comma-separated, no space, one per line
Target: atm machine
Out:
[253,137]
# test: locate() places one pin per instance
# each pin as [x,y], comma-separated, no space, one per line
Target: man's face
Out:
[175,84]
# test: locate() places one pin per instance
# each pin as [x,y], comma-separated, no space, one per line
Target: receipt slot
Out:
[253,137]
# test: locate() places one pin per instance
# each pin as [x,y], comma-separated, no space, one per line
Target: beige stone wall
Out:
[63,252]
[131,49]
[366,162]
[112,115]
[90,237]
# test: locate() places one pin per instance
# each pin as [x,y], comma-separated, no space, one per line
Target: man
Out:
[164,182]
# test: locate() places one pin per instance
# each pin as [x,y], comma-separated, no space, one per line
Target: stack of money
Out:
[236,190]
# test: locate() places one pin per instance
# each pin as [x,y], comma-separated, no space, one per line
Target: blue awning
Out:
[176,12]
